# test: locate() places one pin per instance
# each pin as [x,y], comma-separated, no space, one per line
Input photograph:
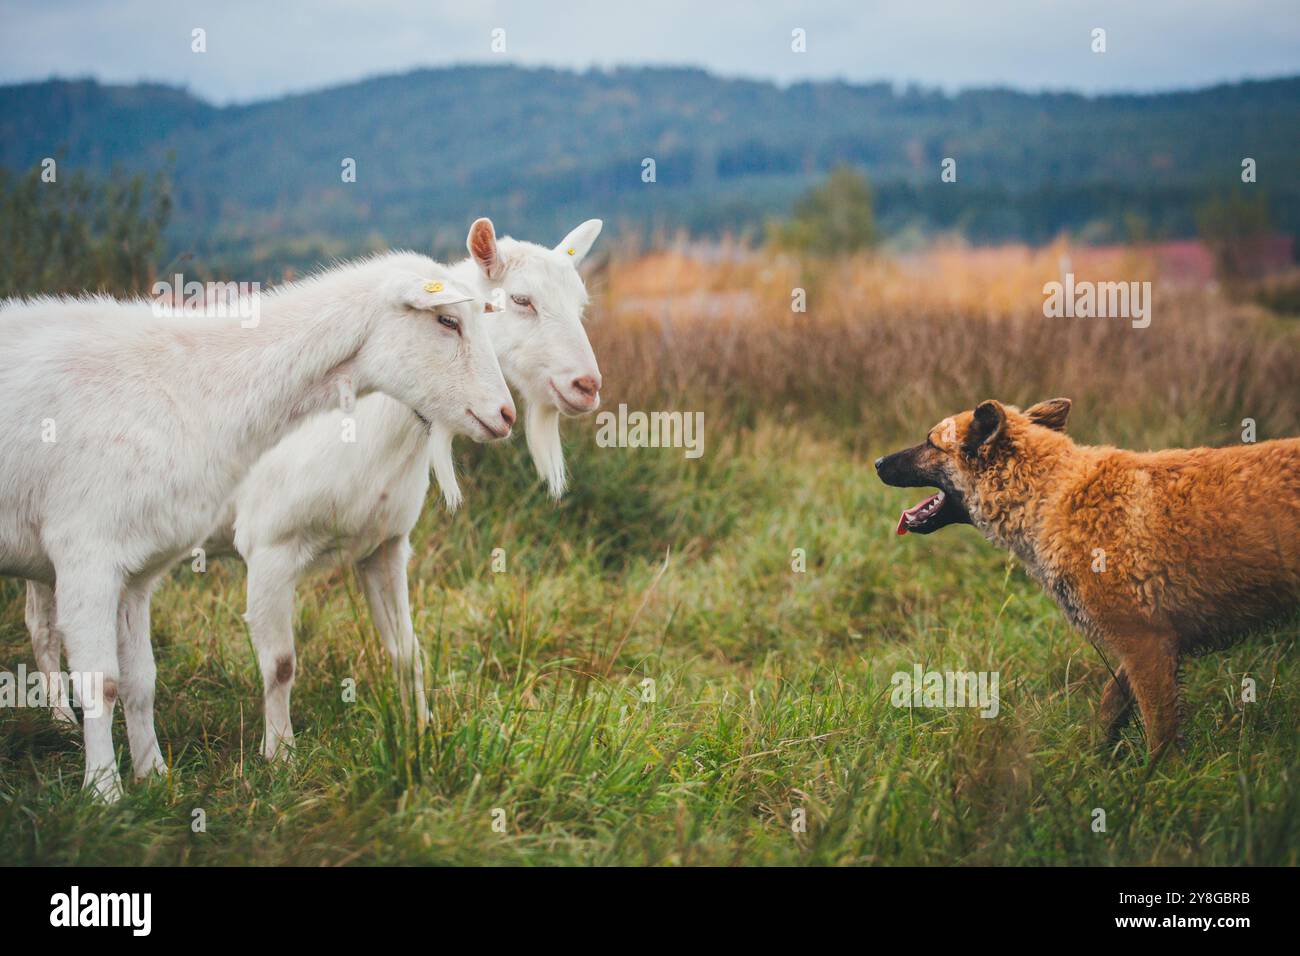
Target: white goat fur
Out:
[309,503]
[157,420]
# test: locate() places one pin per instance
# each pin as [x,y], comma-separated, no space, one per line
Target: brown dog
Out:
[1152,555]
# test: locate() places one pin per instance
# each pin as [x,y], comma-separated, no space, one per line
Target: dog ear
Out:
[1050,414]
[985,426]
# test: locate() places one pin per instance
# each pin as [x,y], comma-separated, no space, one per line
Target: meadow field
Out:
[650,680]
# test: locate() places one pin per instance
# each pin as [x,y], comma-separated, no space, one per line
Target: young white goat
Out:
[126,433]
[307,504]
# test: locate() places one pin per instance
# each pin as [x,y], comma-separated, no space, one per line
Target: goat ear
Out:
[986,426]
[579,242]
[1050,414]
[428,294]
[482,245]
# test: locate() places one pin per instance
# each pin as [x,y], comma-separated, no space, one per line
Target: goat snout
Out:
[588,385]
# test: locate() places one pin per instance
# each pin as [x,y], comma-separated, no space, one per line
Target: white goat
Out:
[305,504]
[125,435]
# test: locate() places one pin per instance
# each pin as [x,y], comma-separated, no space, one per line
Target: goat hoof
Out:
[154,768]
[106,787]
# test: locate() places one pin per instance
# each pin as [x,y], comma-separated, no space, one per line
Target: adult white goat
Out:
[126,433]
[306,504]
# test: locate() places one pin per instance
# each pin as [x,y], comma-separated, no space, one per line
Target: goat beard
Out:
[542,430]
[444,465]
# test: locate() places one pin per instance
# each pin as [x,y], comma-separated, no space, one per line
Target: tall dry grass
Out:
[887,346]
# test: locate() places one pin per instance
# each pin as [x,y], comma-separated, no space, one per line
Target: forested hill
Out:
[542,149]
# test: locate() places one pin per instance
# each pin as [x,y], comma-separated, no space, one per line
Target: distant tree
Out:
[77,234]
[1233,226]
[834,217]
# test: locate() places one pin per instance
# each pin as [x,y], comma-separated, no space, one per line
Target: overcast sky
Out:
[261,49]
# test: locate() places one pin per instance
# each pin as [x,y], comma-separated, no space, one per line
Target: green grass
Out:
[772,693]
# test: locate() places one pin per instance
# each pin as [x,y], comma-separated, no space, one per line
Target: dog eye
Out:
[448,322]
[523,301]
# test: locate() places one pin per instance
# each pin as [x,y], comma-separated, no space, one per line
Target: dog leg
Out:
[1151,664]
[1116,706]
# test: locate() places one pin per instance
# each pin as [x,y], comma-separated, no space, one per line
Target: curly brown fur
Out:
[1153,555]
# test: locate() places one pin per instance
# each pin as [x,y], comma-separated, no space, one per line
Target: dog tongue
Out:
[908,512]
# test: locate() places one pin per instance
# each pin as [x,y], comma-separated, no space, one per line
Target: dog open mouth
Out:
[916,516]
[937,511]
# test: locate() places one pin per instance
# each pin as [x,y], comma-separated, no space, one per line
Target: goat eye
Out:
[522,301]
[448,322]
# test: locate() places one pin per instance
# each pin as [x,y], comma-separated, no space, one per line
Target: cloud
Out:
[258,50]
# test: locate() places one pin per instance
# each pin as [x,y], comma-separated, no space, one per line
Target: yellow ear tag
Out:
[570,251]
[433,287]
